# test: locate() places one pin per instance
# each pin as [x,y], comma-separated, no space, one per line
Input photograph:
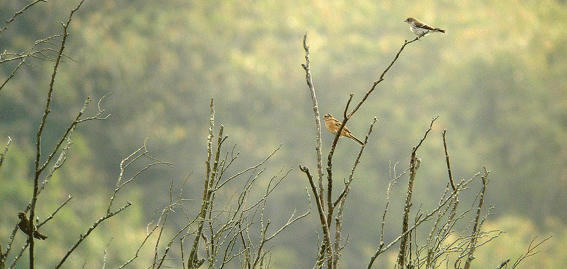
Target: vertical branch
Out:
[321,212]
[393,180]
[332,150]
[60,161]
[334,261]
[39,169]
[319,193]
[4,255]
[192,260]
[3,155]
[330,204]
[414,165]
[213,186]
[210,144]
[477,223]
[306,66]
[448,162]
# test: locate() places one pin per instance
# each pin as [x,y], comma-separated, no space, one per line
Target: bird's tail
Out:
[439,30]
[355,139]
[39,236]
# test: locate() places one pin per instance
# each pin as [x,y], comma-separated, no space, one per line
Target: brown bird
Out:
[333,126]
[25,226]
[420,28]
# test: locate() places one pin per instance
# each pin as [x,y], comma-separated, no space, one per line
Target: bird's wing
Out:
[425,26]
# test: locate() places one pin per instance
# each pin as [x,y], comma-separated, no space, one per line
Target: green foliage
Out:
[496,79]
[521,233]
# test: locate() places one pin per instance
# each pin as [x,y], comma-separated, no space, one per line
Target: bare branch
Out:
[3,155]
[381,77]
[39,169]
[20,12]
[414,165]
[424,218]
[356,162]
[125,163]
[318,148]
[531,251]
[504,263]
[448,162]
[477,223]
[38,226]
[88,232]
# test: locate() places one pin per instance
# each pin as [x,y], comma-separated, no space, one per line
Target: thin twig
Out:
[21,11]
[448,162]
[424,218]
[88,232]
[356,162]
[531,251]
[381,77]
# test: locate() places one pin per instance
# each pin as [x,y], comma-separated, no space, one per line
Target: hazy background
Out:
[496,79]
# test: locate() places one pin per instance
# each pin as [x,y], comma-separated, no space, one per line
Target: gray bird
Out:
[421,29]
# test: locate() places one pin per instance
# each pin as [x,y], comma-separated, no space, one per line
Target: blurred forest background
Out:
[497,80]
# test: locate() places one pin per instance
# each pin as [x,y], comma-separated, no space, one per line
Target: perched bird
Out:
[421,29]
[25,226]
[333,126]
